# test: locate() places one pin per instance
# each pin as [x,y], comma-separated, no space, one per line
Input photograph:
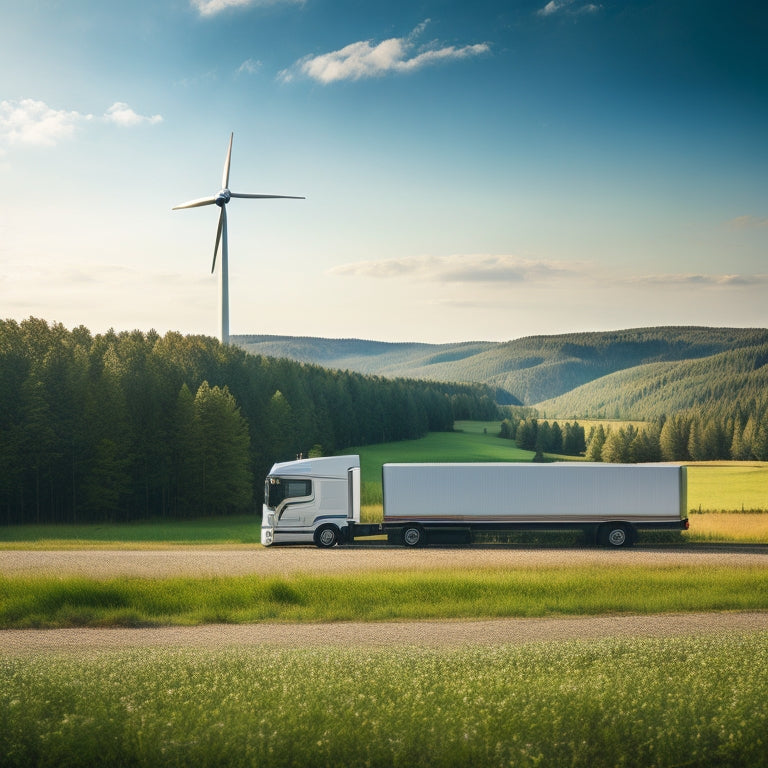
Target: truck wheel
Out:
[414,536]
[616,535]
[326,536]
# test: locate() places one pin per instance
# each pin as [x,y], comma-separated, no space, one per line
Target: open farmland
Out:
[654,689]
[489,655]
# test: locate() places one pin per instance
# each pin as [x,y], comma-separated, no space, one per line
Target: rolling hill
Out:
[720,382]
[649,365]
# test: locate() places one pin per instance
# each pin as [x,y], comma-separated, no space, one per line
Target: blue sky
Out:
[484,170]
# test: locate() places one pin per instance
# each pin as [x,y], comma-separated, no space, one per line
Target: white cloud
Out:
[551,7]
[364,59]
[212,7]
[121,114]
[34,123]
[567,6]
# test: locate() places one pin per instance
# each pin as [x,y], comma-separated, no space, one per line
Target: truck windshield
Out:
[279,489]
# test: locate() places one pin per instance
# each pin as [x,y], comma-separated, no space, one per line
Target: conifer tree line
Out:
[681,437]
[532,434]
[132,425]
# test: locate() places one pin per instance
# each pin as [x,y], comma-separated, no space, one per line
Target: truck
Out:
[317,500]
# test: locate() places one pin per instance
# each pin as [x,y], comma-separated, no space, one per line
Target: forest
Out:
[133,425]
[697,435]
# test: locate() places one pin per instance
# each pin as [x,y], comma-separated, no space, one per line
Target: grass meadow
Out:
[639,702]
[67,601]
[221,531]
[728,486]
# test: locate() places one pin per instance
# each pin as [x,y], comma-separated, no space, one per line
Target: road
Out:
[275,561]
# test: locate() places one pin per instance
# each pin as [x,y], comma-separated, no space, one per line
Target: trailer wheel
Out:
[326,536]
[414,536]
[616,535]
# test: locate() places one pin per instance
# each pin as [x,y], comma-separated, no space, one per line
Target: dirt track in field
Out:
[426,634]
[214,561]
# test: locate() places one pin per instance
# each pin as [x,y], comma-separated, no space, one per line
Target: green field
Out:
[653,702]
[235,530]
[470,441]
[728,487]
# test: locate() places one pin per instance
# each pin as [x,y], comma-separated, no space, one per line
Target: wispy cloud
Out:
[567,6]
[212,7]
[694,279]
[121,114]
[365,59]
[747,222]
[249,67]
[473,268]
[501,269]
[35,123]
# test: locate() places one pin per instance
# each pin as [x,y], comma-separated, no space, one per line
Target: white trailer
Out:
[318,500]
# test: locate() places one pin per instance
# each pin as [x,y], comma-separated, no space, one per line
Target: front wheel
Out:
[616,535]
[327,536]
[414,536]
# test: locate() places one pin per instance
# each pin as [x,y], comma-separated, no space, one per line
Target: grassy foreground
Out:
[49,601]
[650,702]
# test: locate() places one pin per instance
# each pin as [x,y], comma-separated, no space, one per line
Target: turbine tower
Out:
[221,199]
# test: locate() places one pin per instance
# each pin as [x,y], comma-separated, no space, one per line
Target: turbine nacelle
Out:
[223,198]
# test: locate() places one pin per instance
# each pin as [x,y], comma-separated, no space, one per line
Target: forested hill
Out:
[137,425]
[377,357]
[722,385]
[527,370]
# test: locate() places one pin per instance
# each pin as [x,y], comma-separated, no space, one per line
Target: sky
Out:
[481,170]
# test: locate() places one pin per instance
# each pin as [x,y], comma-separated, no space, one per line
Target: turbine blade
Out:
[195,203]
[218,238]
[262,197]
[225,175]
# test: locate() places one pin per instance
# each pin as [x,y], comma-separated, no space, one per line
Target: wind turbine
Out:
[221,199]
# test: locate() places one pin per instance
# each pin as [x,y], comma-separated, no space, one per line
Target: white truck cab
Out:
[311,501]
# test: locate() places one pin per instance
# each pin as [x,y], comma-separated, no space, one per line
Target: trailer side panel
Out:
[568,493]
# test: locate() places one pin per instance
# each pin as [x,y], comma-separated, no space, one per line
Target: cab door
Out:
[296,498]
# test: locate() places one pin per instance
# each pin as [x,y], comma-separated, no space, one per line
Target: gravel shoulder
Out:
[276,561]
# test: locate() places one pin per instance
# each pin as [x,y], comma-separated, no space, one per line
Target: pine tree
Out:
[227,484]
[739,451]
[597,438]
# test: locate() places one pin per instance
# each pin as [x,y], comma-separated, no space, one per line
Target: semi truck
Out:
[317,500]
